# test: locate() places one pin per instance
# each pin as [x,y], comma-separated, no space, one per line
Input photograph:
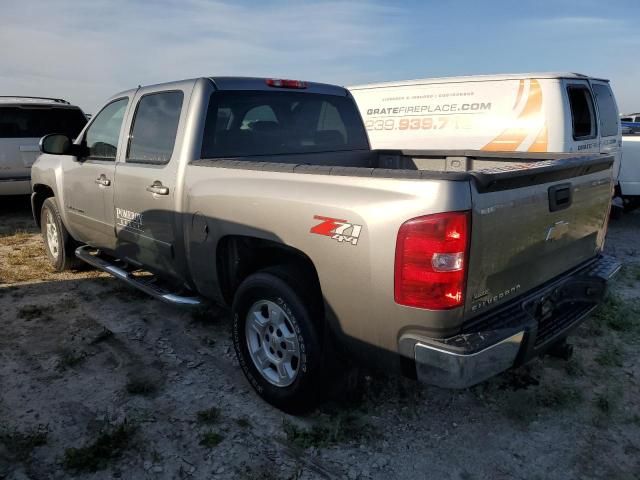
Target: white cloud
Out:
[578,21]
[87,51]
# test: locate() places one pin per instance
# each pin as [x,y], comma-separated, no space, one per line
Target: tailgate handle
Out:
[559,197]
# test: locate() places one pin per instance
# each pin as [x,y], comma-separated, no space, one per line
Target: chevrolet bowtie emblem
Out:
[557,231]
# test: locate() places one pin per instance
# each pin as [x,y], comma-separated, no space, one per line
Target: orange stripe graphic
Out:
[540,144]
[511,138]
[519,95]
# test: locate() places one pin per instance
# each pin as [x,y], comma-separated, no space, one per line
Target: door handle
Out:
[158,188]
[103,181]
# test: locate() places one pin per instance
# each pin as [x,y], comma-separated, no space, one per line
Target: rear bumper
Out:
[514,333]
[629,189]
[15,186]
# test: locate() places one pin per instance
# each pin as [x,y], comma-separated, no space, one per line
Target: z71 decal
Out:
[339,230]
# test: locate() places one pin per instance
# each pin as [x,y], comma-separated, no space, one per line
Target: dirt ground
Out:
[98,381]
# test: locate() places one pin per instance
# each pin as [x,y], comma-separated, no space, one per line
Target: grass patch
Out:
[632,272]
[606,404]
[523,406]
[340,428]
[24,258]
[617,315]
[558,397]
[208,416]
[609,356]
[518,407]
[243,422]
[15,238]
[96,456]
[141,386]
[20,445]
[210,439]
[70,358]
[103,335]
[33,312]
[574,368]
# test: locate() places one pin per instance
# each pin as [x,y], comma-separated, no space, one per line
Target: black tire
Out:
[277,285]
[63,257]
[616,212]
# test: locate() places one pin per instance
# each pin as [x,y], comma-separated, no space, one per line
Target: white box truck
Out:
[530,112]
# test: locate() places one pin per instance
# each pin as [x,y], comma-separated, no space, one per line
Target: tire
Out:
[616,212]
[58,244]
[276,340]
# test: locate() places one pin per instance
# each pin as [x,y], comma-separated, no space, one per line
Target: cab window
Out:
[607,110]
[102,135]
[582,112]
[155,127]
[259,123]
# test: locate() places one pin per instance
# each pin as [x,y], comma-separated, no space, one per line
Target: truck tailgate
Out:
[532,222]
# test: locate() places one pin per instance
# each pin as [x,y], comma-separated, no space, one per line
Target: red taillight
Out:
[431,261]
[283,83]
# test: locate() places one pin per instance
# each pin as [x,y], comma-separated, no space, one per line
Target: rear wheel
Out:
[276,340]
[58,244]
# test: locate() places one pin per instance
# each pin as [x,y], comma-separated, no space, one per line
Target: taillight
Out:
[283,83]
[431,261]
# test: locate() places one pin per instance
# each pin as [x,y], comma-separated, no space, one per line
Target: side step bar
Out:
[92,257]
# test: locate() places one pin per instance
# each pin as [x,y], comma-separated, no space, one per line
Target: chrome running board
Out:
[148,285]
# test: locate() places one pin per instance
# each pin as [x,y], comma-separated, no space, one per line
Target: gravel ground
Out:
[98,381]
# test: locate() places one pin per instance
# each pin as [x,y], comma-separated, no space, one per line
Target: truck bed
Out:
[489,171]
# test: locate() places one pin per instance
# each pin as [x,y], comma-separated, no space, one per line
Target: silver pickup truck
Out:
[263,194]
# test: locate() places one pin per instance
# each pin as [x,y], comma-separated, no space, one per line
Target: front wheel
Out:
[276,340]
[58,244]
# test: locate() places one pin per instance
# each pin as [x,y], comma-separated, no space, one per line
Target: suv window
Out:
[277,123]
[155,127]
[102,135]
[37,121]
[607,110]
[582,112]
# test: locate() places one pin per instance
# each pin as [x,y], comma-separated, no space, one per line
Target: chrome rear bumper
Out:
[455,370]
[514,333]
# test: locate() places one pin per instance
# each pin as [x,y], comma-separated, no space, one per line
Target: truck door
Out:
[147,224]
[88,182]
[583,128]
[610,133]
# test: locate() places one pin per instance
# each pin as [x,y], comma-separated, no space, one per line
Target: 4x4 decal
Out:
[339,230]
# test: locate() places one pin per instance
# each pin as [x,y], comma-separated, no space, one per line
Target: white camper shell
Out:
[531,112]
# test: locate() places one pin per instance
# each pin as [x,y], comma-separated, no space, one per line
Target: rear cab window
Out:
[241,124]
[583,116]
[607,110]
[35,121]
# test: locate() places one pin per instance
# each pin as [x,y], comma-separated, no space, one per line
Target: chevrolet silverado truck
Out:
[264,195]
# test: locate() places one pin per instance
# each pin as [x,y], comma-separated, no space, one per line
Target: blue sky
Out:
[86,51]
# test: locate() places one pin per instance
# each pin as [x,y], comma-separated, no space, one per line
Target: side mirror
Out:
[55,144]
[59,144]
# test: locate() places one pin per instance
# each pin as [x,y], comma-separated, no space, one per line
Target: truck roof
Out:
[477,78]
[247,83]
[21,100]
